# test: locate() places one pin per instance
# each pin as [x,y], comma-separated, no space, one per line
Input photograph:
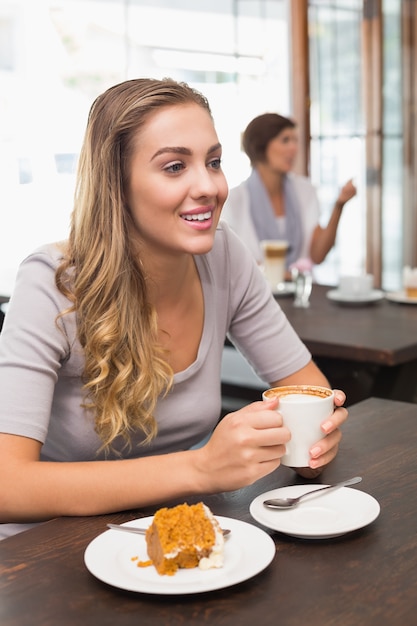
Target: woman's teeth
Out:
[198,217]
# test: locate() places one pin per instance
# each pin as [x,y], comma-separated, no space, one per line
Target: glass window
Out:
[234,51]
[338,133]
[337,128]
[392,167]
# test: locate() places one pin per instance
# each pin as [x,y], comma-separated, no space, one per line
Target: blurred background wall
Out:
[343,69]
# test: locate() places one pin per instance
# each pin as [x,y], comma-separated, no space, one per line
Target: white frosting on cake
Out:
[215,558]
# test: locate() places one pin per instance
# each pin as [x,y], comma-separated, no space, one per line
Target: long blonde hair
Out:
[125,368]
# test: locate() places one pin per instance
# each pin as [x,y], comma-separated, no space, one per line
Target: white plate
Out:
[400,296]
[373,296]
[331,514]
[284,289]
[247,551]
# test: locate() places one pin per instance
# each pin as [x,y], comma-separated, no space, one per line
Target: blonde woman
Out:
[111,349]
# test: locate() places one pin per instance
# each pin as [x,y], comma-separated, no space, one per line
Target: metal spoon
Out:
[142,531]
[286,503]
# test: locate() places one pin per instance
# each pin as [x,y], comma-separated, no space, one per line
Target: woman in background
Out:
[274,203]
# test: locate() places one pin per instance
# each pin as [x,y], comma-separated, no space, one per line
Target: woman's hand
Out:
[246,445]
[347,192]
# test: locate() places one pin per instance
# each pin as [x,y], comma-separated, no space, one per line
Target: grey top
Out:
[41,361]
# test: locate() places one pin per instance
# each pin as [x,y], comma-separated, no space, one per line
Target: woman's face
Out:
[177,188]
[281,151]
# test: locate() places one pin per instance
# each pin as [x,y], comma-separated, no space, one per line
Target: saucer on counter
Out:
[332,514]
[400,296]
[368,298]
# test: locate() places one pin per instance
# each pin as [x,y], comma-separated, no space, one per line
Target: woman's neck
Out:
[272,180]
[176,292]
[169,280]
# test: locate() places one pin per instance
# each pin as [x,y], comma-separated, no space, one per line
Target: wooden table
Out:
[365,578]
[383,333]
[365,350]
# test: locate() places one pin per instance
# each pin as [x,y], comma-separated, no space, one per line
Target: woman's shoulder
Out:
[36,299]
[38,269]
[50,253]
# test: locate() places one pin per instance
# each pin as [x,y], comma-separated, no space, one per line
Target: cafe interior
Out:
[345,71]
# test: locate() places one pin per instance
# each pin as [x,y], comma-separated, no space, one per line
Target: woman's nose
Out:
[204,183]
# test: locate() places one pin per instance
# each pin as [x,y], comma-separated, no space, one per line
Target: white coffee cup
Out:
[356,286]
[303,408]
[274,252]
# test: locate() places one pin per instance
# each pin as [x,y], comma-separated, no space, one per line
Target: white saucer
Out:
[247,551]
[373,296]
[330,514]
[284,289]
[401,297]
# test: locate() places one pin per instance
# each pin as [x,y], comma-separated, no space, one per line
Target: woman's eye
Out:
[216,163]
[174,167]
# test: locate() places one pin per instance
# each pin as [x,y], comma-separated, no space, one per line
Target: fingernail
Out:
[315,451]
[327,426]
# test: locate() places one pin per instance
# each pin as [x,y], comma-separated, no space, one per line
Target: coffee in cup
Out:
[303,408]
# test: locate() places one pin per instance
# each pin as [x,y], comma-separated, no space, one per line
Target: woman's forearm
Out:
[324,238]
[33,490]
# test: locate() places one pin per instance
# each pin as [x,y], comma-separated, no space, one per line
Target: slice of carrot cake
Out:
[184,536]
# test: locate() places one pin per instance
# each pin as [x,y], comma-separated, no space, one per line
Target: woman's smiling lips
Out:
[199,218]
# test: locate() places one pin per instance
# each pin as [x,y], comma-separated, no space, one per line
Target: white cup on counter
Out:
[356,286]
[274,252]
